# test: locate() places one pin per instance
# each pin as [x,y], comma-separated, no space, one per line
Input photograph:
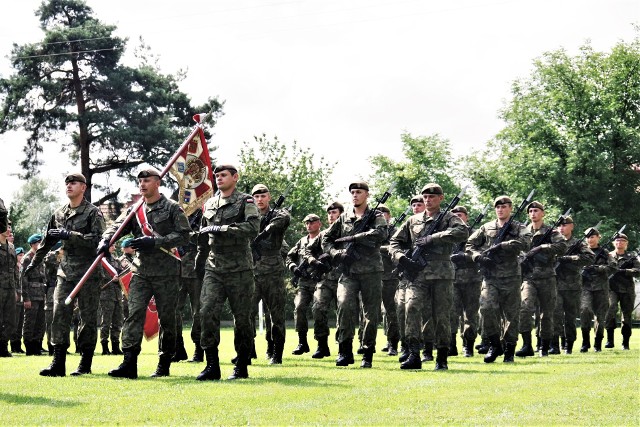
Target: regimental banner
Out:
[194,173]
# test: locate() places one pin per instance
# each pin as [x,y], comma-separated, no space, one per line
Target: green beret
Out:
[417,199]
[432,188]
[359,185]
[535,205]
[460,209]
[75,177]
[19,250]
[57,246]
[231,168]
[259,189]
[384,208]
[502,200]
[335,205]
[567,220]
[622,236]
[148,172]
[311,218]
[592,230]
[126,243]
[34,238]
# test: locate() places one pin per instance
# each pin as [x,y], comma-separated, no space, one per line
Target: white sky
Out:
[344,78]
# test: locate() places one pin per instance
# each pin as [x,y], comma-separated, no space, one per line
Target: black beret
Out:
[535,205]
[567,220]
[227,167]
[417,199]
[383,208]
[311,218]
[359,185]
[75,177]
[460,209]
[502,200]
[148,172]
[335,205]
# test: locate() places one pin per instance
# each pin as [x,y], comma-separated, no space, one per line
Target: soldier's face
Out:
[333,215]
[149,186]
[566,230]
[593,241]
[536,215]
[418,207]
[20,258]
[262,200]
[432,201]
[462,216]
[313,226]
[387,216]
[503,211]
[225,180]
[75,189]
[359,197]
[620,244]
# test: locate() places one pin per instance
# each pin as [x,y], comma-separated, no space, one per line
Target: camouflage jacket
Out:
[33,284]
[467,271]
[9,275]
[506,257]
[270,247]
[568,271]
[387,262]
[367,245]
[595,277]
[540,265]
[51,264]
[314,251]
[4,219]
[629,267]
[299,253]
[229,251]
[86,225]
[450,231]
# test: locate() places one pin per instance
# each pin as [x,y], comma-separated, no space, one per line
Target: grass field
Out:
[579,389]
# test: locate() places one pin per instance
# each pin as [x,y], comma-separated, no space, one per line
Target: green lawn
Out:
[580,389]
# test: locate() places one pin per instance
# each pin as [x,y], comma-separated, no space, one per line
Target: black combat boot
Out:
[181,352]
[538,342]
[50,348]
[544,347]
[105,348]
[4,350]
[467,348]
[393,349]
[57,367]
[211,372]
[509,351]
[16,347]
[367,358]
[84,367]
[413,359]
[198,354]
[569,348]
[269,353]
[427,352]
[323,348]
[609,343]
[385,349]
[563,342]
[554,345]
[626,334]
[129,366]
[164,363]
[278,348]
[28,346]
[495,349]
[441,359]
[526,349]
[37,348]
[483,347]
[405,353]
[345,353]
[240,368]
[597,343]
[254,355]
[303,346]
[115,348]
[453,347]
[586,341]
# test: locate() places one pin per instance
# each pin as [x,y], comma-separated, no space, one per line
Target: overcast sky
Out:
[344,78]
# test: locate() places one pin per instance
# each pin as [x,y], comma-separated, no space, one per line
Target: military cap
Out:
[75,177]
[535,205]
[622,236]
[34,238]
[311,218]
[567,220]
[384,208]
[19,250]
[335,205]
[592,230]
[417,199]
[359,185]
[226,167]
[432,188]
[148,172]
[502,200]
[460,209]
[126,243]
[259,189]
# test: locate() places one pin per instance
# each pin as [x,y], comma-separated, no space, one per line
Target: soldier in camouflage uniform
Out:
[539,281]
[230,223]
[79,225]
[622,290]
[502,279]
[389,289]
[361,273]
[110,313]
[16,337]
[8,282]
[269,272]
[594,300]
[159,227]
[466,294]
[33,296]
[433,285]
[568,271]
[51,264]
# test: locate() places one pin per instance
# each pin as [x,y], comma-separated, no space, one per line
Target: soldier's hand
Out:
[296,272]
[103,247]
[27,305]
[409,265]
[534,251]
[565,259]
[458,258]
[629,272]
[486,262]
[346,239]
[424,241]
[589,269]
[58,234]
[211,229]
[143,243]
[345,259]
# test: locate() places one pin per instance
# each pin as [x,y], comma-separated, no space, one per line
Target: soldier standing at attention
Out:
[8,283]
[160,225]
[539,281]
[78,225]
[230,222]
[33,296]
[269,272]
[433,285]
[569,287]
[16,336]
[622,290]
[111,316]
[361,273]
[389,289]
[500,292]
[594,300]
[51,263]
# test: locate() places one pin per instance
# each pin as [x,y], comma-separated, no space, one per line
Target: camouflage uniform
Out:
[466,300]
[4,217]
[8,281]
[389,288]
[190,287]
[325,293]
[622,291]
[306,285]
[594,300]
[110,315]
[51,264]
[33,289]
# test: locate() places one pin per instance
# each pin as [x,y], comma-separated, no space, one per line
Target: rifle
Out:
[402,216]
[578,244]
[525,264]
[417,255]
[504,230]
[601,252]
[461,245]
[264,222]
[628,263]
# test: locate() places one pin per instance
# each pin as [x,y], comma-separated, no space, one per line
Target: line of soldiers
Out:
[429,275]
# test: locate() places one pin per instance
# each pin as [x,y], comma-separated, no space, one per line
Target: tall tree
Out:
[72,87]
[32,208]
[573,133]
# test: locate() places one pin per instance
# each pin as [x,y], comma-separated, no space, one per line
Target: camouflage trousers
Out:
[369,286]
[16,335]
[437,295]
[401,304]
[538,293]
[324,296]
[464,313]
[594,304]
[7,313]
[301,302]
[88,300]
[164,289]
[34,323]
[566,312]
[389,310]
[237,287]
[626,301]
[48,313]
[189,287]
[500,308]
[270,288]
[111,320]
